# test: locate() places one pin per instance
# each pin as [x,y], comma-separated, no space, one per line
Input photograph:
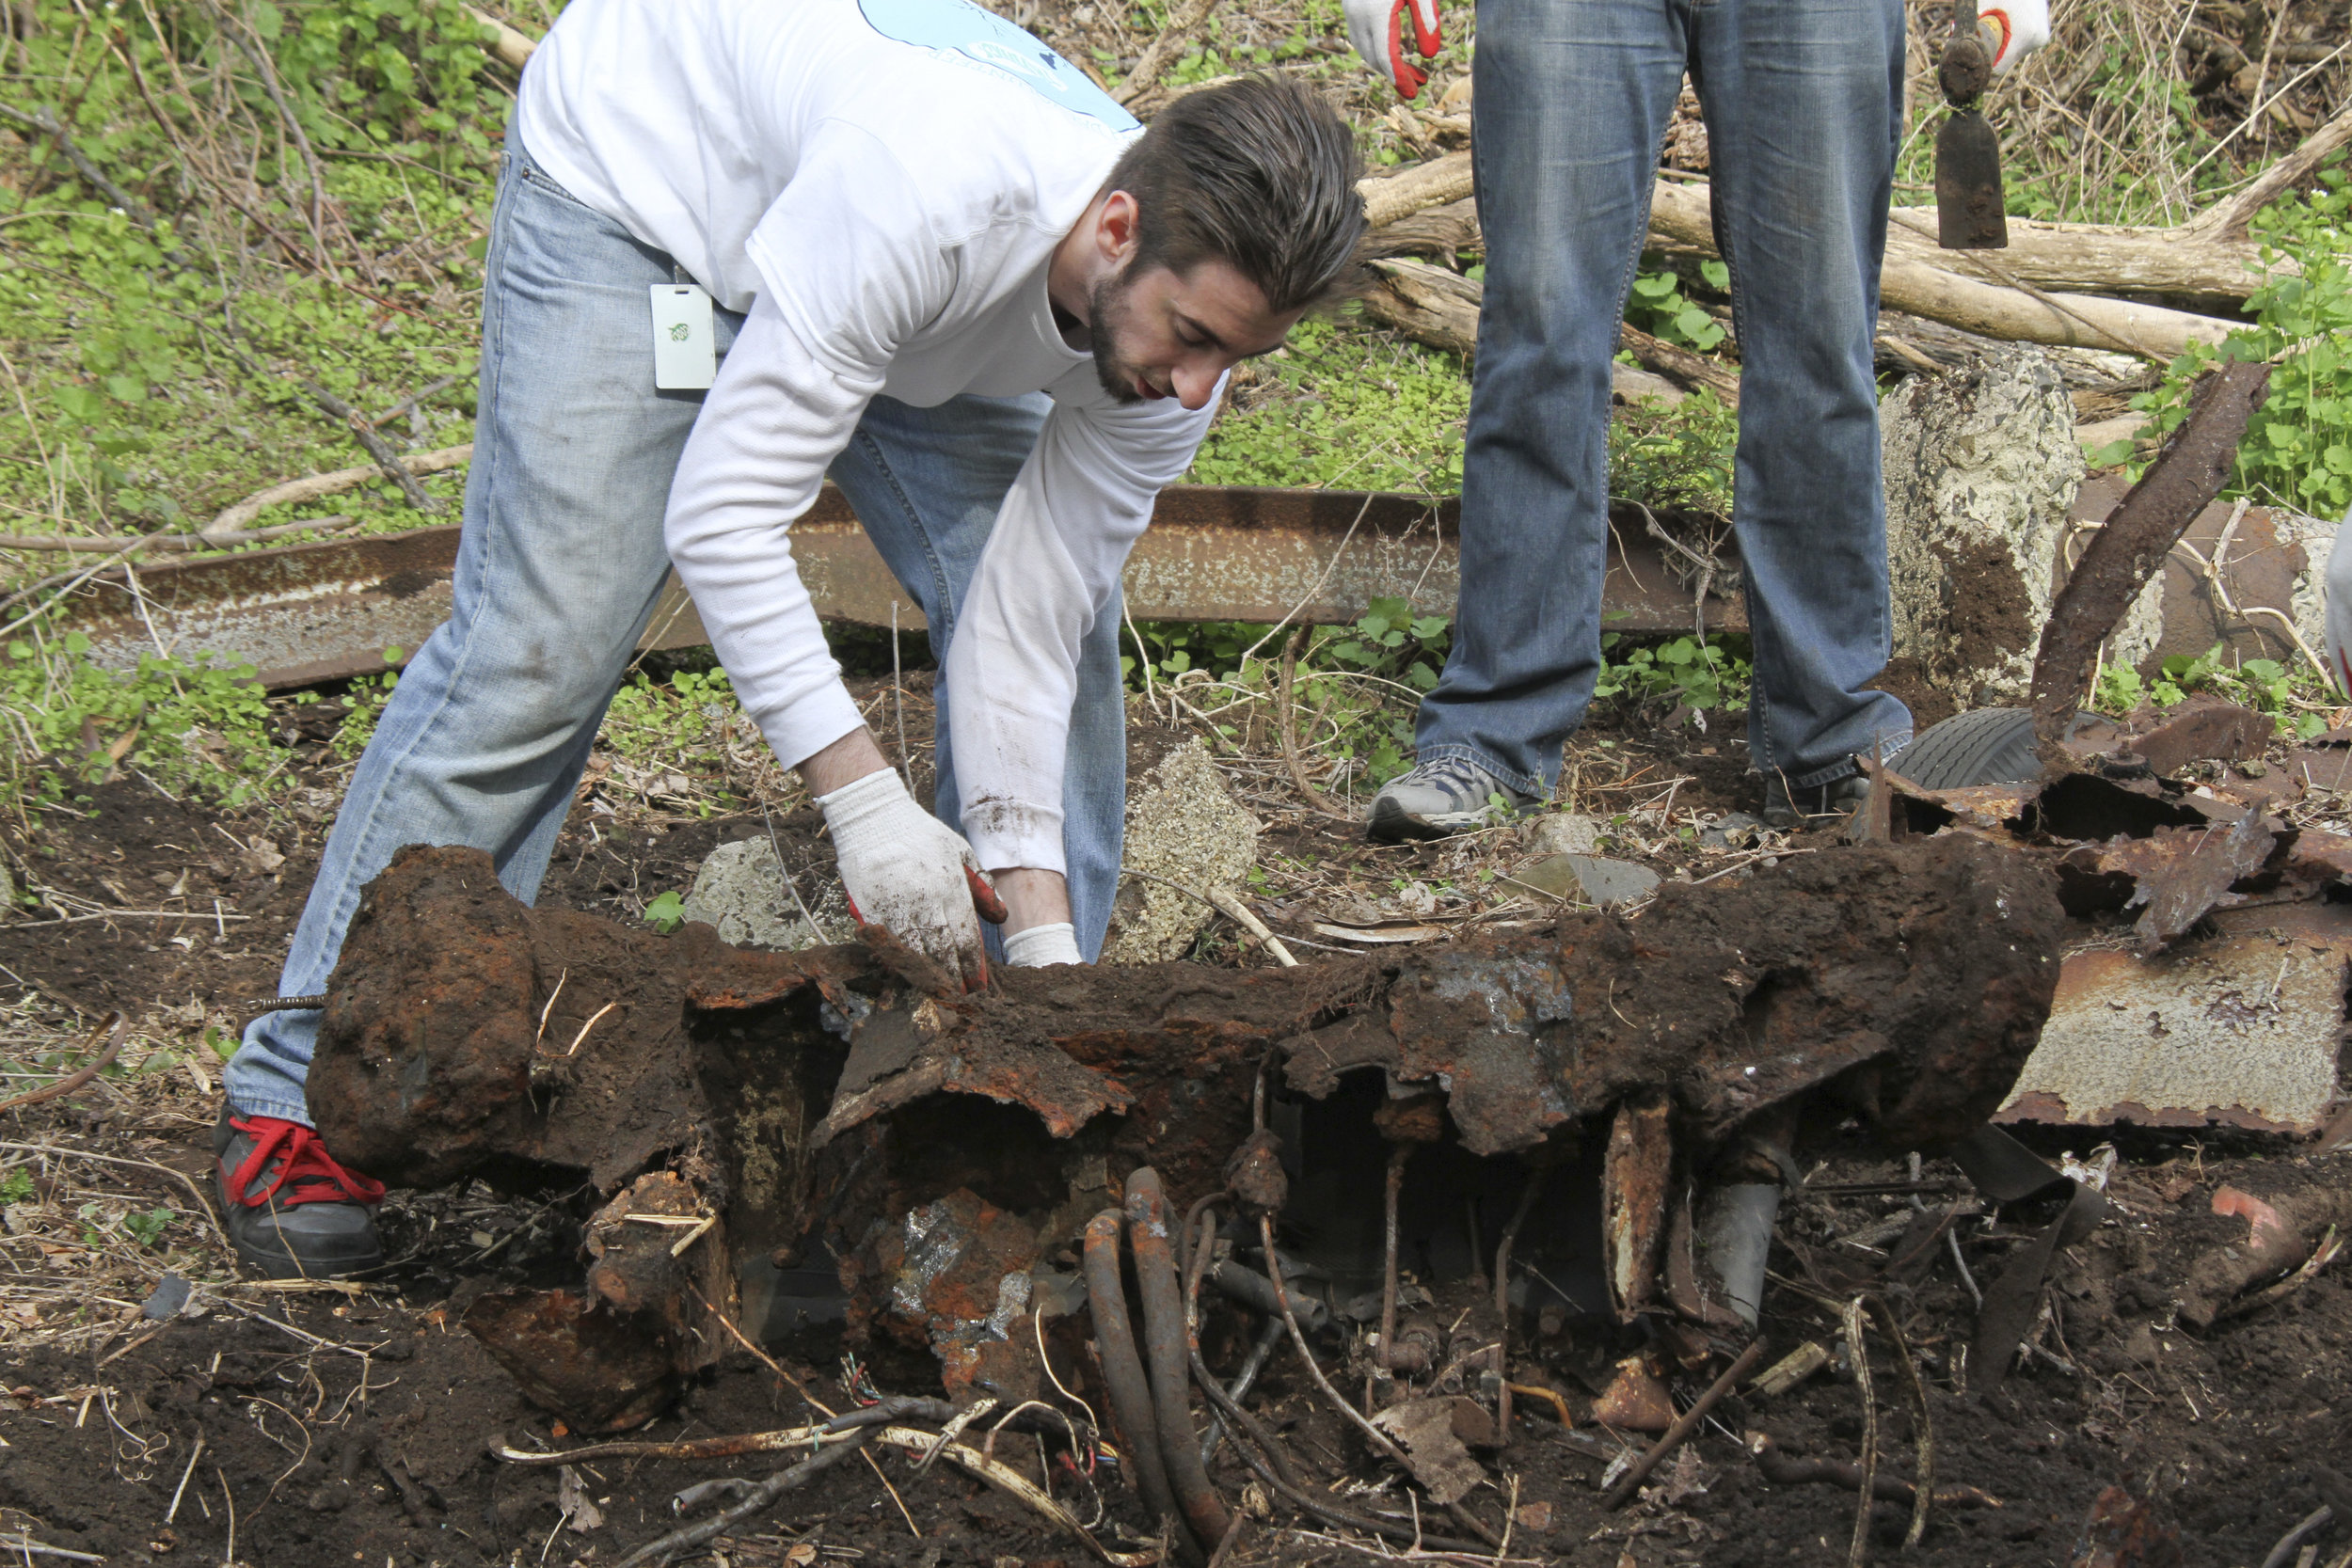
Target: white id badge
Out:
[685,349]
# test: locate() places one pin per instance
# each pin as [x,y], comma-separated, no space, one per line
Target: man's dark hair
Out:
[1261,173]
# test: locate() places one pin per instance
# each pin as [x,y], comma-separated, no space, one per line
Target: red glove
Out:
[1377,28]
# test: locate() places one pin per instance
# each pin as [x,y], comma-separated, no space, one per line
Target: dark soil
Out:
[2234,1433]
[2237,1432]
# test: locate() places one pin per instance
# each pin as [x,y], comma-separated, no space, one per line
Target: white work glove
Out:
[1377,28]
[2015,29]
[1039,946]
[910,874]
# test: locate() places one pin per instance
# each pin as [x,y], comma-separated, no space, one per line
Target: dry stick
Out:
[1385,1356]
[1917,1392]
[1229,906]
[1858,1352]
[757,1500]
[95,544]
[1687,1423]
[67,1086]
[1502,1300]
[46,123]
[801,1388]
[1379,1439]
[1289,726]
[182,1489]
[1273,1467]
[203,1204]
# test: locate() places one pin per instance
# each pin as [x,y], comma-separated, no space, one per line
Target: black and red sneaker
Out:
[292,1213]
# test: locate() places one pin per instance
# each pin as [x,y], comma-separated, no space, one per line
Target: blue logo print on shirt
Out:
[989,40]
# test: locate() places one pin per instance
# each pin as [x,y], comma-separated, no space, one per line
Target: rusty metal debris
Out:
[307,614]
[2131,546]
[947,1147]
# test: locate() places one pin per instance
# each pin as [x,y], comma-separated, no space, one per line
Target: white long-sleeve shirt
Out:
[880,185]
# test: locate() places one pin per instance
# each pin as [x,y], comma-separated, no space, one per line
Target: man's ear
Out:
[1115,234]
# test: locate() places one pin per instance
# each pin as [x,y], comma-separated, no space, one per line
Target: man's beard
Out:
[1107,305]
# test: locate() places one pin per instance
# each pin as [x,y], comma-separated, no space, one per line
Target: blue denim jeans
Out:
[1803,100]
[559,566]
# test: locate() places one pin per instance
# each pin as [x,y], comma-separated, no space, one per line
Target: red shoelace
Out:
[308,1174]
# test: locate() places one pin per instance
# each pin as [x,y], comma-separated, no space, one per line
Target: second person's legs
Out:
[1573,96]
[1804,107]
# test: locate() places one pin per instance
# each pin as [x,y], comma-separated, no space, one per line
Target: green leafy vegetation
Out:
[17,1186]
[1659,307]
[2297,695]
[1678,671]
[1343,409]
[185,723]
[2297,450]
[666,913]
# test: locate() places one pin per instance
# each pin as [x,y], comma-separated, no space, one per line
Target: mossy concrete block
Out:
[741,890]
[1183,824]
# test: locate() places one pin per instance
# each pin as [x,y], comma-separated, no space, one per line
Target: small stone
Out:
[1562,832]
[1611,883]
[1734,829]
[2253,768]
[170,1294]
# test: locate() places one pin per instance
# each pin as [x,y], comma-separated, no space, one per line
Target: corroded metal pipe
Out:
[1167,1354]
[1122,1370]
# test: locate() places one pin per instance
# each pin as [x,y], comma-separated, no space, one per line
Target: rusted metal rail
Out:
[315,612]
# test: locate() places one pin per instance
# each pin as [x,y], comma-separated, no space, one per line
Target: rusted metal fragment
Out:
[1636,1398]
[2182,873]
[1488,1028]
[603,1370]
[1634,1172]
[834,1100]
[2131,546]
[2202,728]
[2237,1030]
[953,1275]
[306,613]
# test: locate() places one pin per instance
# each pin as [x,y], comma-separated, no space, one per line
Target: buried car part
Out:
[942,1145]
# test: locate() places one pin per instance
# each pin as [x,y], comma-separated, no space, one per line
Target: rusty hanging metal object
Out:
[1970,210]
[2129,549]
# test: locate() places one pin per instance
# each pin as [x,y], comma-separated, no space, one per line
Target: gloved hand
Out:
[910,874]
[1039,946]
[1377,28]
[2015,29]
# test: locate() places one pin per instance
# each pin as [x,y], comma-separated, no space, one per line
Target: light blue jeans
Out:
[1803,100]
[559,566]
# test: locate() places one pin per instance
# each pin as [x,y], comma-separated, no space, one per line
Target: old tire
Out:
[1989,746]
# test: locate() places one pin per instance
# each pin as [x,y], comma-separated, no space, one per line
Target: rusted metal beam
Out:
[2127,550]
[315,612]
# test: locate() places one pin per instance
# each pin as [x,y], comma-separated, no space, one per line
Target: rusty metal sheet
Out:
[953,1275]
[307,614]
[2262,571]
[2184,872]
[2131,546]
[2239,1029]
[1634,1216]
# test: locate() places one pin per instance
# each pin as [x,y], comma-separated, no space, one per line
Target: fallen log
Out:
[1433,306]
[945,1148]
[1681,220]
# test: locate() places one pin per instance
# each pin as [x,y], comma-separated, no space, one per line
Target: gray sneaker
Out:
[1440,798]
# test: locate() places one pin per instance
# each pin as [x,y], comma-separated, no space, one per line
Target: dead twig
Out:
[1289,725]
[1858,1352]
[1687,1423]
[68,1084]
[756,1501]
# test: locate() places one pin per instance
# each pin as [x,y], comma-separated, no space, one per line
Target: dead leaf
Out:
[804,1554]
[571,1499]
[1687,1479]
[1533,1516]
[1424,1429]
